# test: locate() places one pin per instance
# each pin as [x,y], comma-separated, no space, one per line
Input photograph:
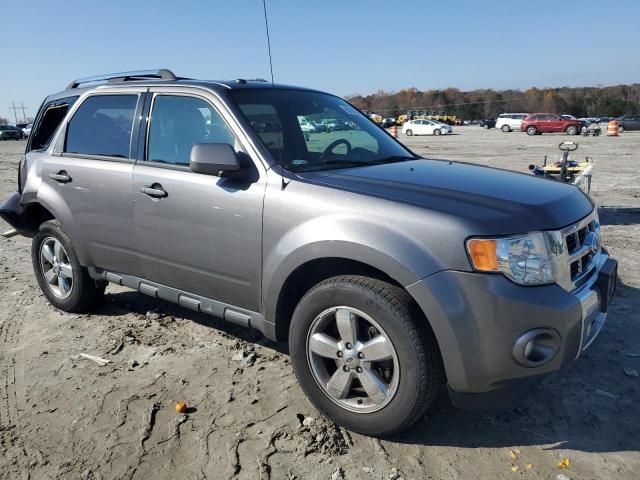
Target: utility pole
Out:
[15,110]
[24,116]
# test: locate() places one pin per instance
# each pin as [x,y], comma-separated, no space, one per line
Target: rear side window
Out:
[102,126]
[48,121]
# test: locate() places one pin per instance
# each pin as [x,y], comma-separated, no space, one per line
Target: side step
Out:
[230,313]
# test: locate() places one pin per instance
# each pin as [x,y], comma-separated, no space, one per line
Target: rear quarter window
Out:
[102,126]
[47,122]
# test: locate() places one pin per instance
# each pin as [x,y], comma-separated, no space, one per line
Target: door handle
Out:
[155,191]
[60,177]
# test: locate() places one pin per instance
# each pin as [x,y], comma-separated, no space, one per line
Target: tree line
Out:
[486,103]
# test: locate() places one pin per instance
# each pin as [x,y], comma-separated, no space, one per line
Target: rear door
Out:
[91,170]
[202,234]
[555,123]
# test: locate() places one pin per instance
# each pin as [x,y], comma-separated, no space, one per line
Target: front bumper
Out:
[478,318]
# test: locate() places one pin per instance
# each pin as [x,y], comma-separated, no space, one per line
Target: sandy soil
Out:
[64,416]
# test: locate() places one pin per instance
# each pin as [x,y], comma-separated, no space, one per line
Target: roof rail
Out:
[162,73]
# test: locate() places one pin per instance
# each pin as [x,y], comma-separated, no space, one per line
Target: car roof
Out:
[217,86]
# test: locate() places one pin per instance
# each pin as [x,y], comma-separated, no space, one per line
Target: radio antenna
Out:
[273,90]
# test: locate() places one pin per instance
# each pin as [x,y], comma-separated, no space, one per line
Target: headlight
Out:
[525,259]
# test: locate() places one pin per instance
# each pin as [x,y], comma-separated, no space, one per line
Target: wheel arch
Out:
[310,273]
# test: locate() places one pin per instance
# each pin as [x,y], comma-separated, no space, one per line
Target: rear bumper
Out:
[479,320]
[13,213]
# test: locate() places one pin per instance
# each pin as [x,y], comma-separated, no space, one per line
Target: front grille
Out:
[582,243]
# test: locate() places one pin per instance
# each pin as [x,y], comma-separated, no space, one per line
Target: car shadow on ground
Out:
[619,215]
[591,405]
[119,303]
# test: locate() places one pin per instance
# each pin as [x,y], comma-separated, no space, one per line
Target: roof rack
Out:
[162,73]
[245,80]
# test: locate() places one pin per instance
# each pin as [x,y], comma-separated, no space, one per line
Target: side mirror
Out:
[213,159]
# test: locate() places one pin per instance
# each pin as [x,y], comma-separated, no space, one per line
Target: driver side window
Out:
[178,123]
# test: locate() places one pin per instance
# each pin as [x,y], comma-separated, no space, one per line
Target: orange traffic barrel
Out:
[612,128]
[394,131]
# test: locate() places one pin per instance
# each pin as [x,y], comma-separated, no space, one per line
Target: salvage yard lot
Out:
[64,416]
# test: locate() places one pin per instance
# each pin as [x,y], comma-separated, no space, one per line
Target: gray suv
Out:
[389,274]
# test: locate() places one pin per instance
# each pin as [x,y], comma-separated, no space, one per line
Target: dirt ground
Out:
[64,416]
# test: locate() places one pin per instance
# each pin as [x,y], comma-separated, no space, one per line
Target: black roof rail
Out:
[162,73]
[245,80]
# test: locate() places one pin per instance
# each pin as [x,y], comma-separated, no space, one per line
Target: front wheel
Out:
[531,130]
[66,284]
[505,128]
[620,129]
[485,126]
[437,131]
[364,354]
[572,130]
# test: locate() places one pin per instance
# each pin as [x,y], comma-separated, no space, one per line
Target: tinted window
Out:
[47,122]
[178,123]
[102,126]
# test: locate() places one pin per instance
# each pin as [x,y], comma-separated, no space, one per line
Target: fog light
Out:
[536,347]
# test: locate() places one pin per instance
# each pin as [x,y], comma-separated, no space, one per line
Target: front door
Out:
[91,173]
[197,233]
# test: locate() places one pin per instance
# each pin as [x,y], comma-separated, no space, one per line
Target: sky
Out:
[344,47]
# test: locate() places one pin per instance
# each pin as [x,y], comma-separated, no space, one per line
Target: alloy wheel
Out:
[352,359]
[56,267]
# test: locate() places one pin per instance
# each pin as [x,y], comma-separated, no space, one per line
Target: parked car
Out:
[26,131]
[306,126]
[388,122]
[568,117]
[508,122]
[426,127]
[539,123]
[10,132]
[628,122]
[333,125]
[458,274]
[488,123]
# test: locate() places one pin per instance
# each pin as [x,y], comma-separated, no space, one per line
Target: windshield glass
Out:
[307,131]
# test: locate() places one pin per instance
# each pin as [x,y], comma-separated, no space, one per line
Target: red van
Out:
[538,123]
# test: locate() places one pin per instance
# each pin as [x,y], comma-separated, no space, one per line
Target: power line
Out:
[502,100]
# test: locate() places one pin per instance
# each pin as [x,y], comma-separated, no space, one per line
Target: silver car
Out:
[390,276]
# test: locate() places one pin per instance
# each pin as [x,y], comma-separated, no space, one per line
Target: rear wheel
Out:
[408,133]
[364,354]
[505,128]
[532,130]
[620,129]
[572,130]
[66,284]
[485,126]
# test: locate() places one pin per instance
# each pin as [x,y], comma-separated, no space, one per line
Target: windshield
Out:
[347,139]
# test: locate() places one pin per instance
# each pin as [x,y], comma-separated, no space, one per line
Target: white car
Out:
[508,122]
[426,127]
[26,131]
[306,126]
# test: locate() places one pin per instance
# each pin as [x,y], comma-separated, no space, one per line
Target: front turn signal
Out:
[482,252]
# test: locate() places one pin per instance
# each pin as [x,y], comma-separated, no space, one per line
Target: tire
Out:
[506,128]
[485,126]
[408,133]
[415,376]
[437,131]
[532,131]
[620,129]
[73,290]
[572,130]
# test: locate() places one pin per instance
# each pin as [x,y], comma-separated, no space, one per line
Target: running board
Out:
[10,233]
[230,313]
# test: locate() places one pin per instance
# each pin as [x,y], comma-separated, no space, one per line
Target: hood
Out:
[493,201]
